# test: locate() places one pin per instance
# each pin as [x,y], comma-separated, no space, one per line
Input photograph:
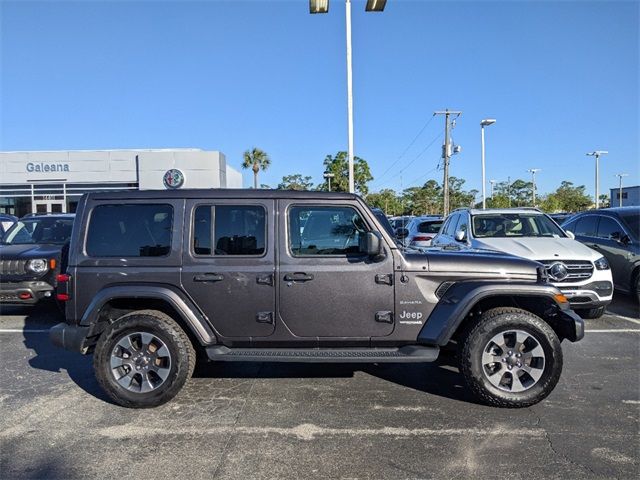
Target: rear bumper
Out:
[70,337]
[31,291]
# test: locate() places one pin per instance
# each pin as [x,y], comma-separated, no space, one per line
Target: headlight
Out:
[38,266]
[602,264]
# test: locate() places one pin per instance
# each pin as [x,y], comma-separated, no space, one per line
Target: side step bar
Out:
[406,354]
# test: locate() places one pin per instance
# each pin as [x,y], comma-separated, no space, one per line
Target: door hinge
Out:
[264,317]
[265,279]
[384,278]
[384,317]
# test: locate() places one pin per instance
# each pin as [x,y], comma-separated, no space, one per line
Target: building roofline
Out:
[186,149]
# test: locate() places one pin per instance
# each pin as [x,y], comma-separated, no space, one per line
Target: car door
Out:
[608,242]
[327,288]
[229,267]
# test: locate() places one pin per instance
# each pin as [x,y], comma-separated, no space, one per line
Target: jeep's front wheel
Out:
[511,358]
[143,359]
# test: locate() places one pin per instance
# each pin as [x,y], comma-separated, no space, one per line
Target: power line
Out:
[407,148]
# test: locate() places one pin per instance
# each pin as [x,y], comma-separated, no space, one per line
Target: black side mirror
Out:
[615,236]
[371,244]
[402,232]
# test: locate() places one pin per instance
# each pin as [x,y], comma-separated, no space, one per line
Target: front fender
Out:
[460,298]
[180,303]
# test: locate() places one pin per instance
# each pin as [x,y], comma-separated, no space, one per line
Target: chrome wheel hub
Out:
[140,362]
[513,361]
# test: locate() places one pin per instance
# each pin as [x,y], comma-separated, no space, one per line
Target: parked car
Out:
[582,274]
[402,221]
[615,233]
[154,275]
[419,232]
[6,221]
[31,254]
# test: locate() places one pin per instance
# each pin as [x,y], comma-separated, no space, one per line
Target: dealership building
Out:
[53,181]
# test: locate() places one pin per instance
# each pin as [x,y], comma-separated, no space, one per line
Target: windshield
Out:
[430,227]
[514,225]
[39,230]
[632,219]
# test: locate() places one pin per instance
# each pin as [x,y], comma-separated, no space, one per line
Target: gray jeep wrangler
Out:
[284,276]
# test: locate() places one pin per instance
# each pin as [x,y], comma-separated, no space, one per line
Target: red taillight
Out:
[63,297]
[24,296]
[421,238]
[63,277]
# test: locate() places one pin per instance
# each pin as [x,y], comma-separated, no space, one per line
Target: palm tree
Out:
[256,160]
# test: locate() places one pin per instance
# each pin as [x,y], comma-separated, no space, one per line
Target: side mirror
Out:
[460,235]
[402,232]
[371,244]
[625,240]
[570,234]
[615,236]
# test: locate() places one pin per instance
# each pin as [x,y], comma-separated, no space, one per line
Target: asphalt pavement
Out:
[256,420]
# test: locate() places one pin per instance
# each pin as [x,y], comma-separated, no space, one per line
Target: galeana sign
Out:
[47,167]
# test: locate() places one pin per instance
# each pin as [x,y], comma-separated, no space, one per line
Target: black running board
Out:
[406,354]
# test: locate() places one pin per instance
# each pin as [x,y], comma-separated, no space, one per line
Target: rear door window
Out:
[130,230]
[229,230]
[607,227]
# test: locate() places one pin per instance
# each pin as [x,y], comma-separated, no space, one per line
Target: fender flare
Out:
[460,298]
[181,303]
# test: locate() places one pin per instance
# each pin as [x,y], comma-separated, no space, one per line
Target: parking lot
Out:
[319,421]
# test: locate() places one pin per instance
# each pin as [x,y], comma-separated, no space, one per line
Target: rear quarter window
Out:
[130,230]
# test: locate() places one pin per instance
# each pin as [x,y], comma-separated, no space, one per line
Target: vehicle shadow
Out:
[624,305]
[440,378]
[53,359]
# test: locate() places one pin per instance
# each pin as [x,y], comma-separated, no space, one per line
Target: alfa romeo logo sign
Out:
[173,178]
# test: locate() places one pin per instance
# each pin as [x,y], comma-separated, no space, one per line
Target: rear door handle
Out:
[208,277]
[298,277]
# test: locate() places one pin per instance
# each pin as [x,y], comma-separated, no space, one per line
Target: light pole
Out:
[597,154]
[484,123]
[620,175]
[493,184]
[533,172]
[328,176]
[322,6]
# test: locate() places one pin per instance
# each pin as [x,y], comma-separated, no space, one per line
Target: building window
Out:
[624,195]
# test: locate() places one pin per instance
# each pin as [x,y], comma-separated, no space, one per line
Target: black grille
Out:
[577,270]
[442,289]
[12,267]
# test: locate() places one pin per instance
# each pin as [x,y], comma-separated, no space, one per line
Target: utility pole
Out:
[533,172]
[597,154]
[446,154]
[620,175]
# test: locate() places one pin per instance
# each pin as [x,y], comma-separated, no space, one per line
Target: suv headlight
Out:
[37,266]
[602,264]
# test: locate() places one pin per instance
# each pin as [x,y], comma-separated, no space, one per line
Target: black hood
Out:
[28,251]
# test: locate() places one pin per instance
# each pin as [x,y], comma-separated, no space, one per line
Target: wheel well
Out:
[117,307]
[634,278]
[541,306]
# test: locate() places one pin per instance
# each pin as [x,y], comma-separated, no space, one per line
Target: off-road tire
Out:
[475,339]
[591,313]
[164,327]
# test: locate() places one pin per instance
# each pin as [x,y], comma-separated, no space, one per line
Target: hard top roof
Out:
[234,193]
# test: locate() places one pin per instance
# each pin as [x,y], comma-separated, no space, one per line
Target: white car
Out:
[419,232]
[582,274]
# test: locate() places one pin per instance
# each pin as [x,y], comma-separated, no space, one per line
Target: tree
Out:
[339,166]
[604,200]
[295,182]
[499,200]
[572,199]
[256,160]
[387,200]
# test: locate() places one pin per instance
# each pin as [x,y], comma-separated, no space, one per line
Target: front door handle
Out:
[208,277]
[298,277]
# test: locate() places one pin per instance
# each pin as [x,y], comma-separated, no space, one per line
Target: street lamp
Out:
[493,184]
[620,175]
[597,154]
[322,6]
[328,176]
[484,123]
[533,172]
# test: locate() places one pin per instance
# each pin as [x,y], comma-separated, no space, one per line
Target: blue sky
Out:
[561,78]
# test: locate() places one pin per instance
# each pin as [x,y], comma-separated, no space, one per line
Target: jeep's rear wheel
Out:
[143,359]
[511,358]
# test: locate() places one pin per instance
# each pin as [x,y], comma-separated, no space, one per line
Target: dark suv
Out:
[31,254]
[285,276]
[615,233]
